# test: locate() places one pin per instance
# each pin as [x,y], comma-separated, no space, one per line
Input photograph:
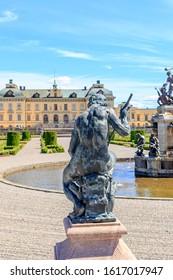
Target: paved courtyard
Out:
[31,221]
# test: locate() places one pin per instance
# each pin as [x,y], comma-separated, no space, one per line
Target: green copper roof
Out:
[44,93]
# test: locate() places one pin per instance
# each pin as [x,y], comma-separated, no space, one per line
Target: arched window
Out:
[45,119]
[55,118]
[65,118]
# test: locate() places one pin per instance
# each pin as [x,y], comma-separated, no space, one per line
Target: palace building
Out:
[138,118]
[34,108]
[53,108]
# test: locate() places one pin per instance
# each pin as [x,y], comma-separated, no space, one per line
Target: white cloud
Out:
[61,80]
[8,16]
[29,43]
[109,67]
[30,80]
[75,54]
[137,46]
[147,59]
[64,80]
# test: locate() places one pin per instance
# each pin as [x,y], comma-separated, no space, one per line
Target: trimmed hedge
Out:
[11,150]
[44,150]
[53,148]
[13,138]
[43,134]
[26,135]
[50,138]
[8,147]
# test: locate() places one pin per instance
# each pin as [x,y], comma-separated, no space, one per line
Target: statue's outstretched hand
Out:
[124,109]
[123,112]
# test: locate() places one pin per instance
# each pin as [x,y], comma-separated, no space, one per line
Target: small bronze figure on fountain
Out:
[140,144]
[154,150]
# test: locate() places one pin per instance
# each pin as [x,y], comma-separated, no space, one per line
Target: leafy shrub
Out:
[132,145]
[15,150]
[43,135]
[23,142]
[59,149]
[44,150]
[4,152]
[146,147]
[8,147]
[50,138]
[51,146]
[13,138]
[26,135]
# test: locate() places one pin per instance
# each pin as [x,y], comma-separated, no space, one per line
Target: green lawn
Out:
[125,141]
[2,144]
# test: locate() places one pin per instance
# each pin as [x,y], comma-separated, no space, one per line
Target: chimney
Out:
[10,81]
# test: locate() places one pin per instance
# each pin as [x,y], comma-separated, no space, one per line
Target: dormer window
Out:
[73,95]
[100,92]
[36,95]
[9,94]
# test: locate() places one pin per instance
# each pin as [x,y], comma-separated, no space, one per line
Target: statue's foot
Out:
[78,211]
[76,190]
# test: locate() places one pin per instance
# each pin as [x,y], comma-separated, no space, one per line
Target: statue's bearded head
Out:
[97,98]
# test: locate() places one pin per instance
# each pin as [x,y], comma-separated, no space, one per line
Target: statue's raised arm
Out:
[125,108]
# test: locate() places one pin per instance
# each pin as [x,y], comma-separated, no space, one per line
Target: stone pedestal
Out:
[164,131]
[93,241]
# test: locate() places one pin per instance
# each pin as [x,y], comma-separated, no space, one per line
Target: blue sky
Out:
[124,44]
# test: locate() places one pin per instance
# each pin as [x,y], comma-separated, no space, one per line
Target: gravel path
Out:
[31,221]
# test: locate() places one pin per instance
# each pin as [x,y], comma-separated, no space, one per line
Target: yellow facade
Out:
[138,118]
[33,108]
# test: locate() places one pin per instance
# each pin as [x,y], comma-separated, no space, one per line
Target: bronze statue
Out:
[166,95]
[154,150]
[169,82]
[87,179]
[140,144]
[163,98]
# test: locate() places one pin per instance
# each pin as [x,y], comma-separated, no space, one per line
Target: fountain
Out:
[45,178]
[160,164]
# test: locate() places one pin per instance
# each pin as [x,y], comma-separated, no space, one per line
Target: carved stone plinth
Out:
[93,241]
[97,197]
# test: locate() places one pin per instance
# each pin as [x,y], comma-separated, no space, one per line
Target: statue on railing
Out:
[166,91]
[154,150]
[163,98]
[169,82]
[87,179]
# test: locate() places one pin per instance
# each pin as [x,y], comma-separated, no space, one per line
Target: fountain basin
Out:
[155,167]
[48,177]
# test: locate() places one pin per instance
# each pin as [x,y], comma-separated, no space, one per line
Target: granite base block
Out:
[93,241]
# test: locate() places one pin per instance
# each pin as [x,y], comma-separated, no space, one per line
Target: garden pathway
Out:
[31,221]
